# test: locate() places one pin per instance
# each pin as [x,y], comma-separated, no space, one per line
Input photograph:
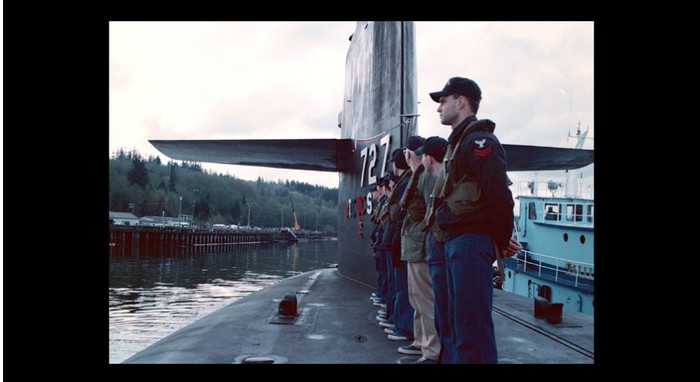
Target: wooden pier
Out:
[134,240]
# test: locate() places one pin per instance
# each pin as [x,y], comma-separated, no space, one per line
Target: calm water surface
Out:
[153,296]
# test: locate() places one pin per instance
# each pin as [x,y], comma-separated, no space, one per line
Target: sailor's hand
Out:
[497,282]
[513,247]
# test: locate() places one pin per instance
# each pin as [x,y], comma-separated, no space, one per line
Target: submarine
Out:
[325,316]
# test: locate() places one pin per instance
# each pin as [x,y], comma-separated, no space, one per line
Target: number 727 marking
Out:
[372,151]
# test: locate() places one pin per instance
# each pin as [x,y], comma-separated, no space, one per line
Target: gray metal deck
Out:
[336,325]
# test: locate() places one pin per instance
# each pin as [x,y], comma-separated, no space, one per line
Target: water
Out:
[153,296]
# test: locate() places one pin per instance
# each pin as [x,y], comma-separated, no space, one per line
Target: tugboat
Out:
[555,225]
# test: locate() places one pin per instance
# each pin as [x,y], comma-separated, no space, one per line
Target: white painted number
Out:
[371,151]
[385,141]
[371,178]
[363,155]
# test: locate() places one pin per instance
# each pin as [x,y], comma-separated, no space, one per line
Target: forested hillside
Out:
[148,187]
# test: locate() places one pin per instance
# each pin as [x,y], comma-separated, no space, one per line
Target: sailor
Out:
[426,342]
[402,312]
[378,198]
[476,217]
[384,314]
[432,153]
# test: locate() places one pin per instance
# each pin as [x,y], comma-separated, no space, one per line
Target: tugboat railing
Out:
[558,267]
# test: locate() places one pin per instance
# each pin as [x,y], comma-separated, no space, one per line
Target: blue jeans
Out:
[382,283]
[403,311]
[435,253]
[391,286]
[469,258]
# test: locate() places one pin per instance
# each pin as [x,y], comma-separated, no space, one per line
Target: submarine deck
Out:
[336,324]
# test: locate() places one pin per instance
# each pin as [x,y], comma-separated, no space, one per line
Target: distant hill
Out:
[147,187]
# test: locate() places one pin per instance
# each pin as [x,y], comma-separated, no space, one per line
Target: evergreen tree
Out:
[202,209]
[138,175]
[173,177]
[235,212]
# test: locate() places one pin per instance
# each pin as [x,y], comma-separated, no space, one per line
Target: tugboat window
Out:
[531,211]
[552,212]
[590,213]
[574,212]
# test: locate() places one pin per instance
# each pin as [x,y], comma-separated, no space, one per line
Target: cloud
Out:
[256,80]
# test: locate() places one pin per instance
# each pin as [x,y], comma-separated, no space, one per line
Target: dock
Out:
[135,240]
[335,324]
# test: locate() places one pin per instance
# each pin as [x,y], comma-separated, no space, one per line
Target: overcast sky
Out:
[262,80]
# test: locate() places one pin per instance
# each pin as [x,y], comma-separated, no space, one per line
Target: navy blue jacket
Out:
[378,232]
[392,232]
[482,158]
[396,234]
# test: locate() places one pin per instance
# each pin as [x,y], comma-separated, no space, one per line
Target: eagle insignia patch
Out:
[482,151]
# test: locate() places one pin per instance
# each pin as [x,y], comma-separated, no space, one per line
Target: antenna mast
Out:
[571,190]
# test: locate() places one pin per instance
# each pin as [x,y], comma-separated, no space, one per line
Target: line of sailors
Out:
[409,276]
[446,217]
[434,249]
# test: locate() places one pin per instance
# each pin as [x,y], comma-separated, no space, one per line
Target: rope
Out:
[402,124]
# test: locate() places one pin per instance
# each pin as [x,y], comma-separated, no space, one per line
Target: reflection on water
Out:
[152,296]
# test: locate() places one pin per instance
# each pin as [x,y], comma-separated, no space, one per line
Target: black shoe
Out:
[410,349]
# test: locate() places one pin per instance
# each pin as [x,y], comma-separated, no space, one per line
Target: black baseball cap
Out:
[384,179]
[414,142]
[398,159]
[458,85]
[435,147]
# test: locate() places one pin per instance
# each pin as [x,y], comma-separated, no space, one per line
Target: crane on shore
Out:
[296,227]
